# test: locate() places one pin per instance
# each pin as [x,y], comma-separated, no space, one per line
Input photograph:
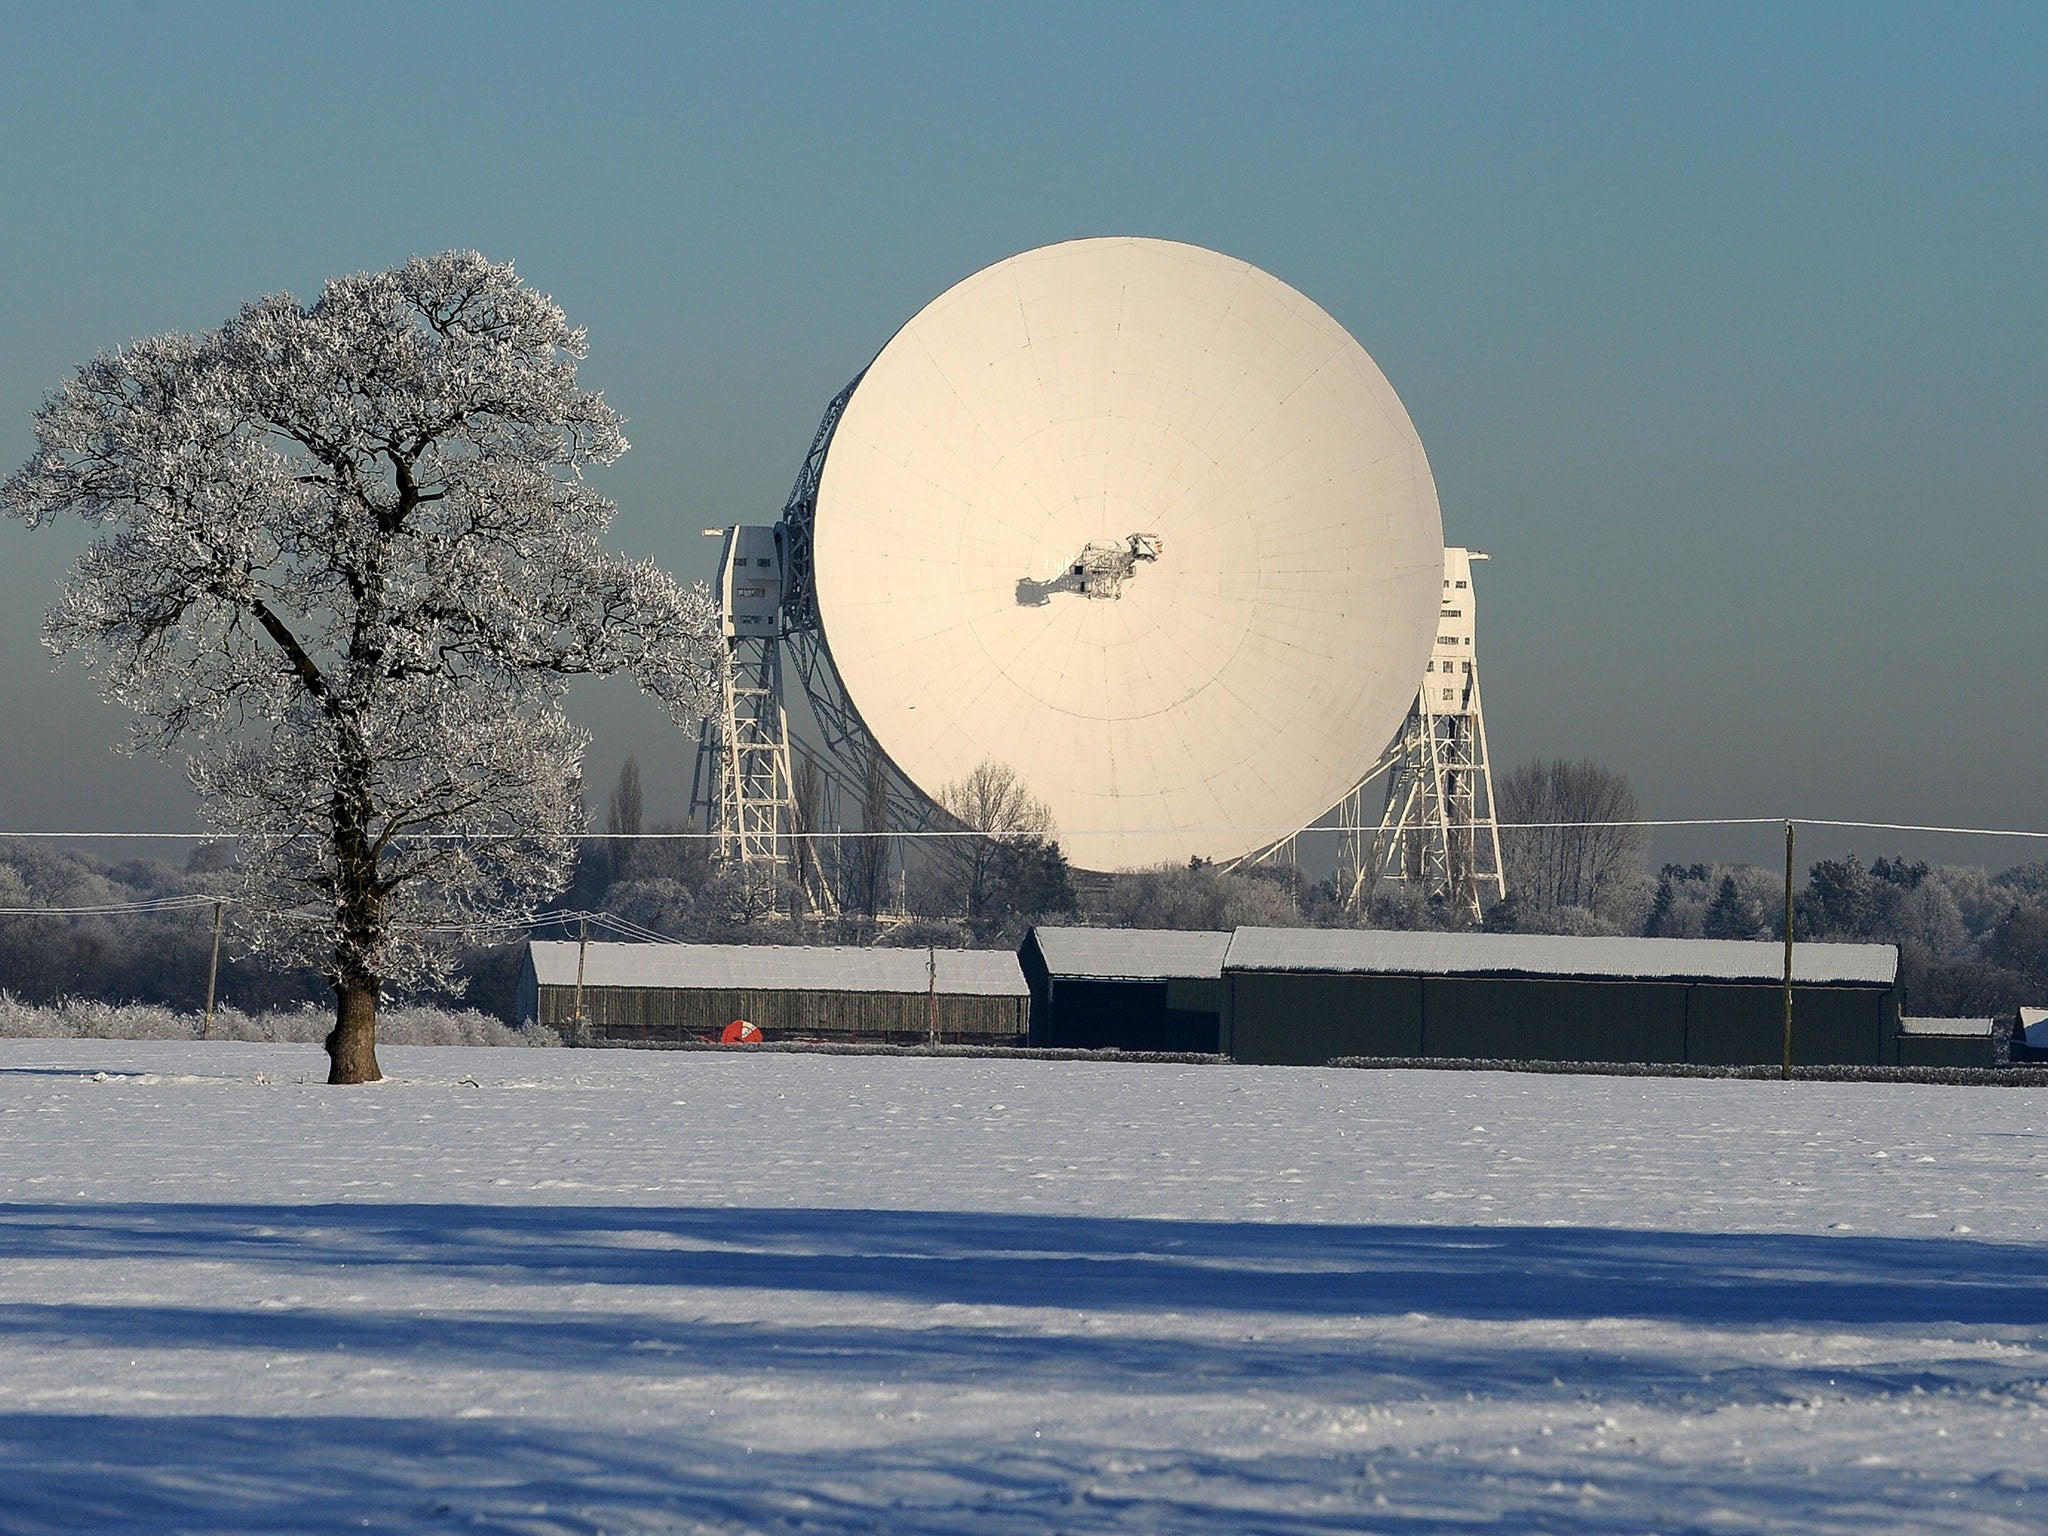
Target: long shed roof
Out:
[1380,952]
[1132,954]
[778,968]
[1948,1028]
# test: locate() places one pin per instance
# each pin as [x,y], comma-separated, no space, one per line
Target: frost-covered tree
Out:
[1198,894]
[1580,838]
[347,566]
[1733,913]
[993,804]
[623,817]
[864,861]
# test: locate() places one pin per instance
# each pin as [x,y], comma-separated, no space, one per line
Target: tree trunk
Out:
[352,1046]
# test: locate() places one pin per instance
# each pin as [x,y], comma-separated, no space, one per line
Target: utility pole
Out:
[582,945]
[1786,1071]
[212,974]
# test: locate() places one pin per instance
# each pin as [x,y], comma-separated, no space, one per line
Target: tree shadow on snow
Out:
[202,1475]
[650,1345]
[1103,1264]
[288,1471]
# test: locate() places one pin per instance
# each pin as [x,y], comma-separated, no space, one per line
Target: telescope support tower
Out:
[743,790]
[1436,830]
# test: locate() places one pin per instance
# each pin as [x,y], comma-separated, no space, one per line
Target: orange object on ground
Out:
[740,1032]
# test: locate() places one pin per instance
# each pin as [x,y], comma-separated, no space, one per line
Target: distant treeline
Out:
[161,957]
[129,957]
[1971,943]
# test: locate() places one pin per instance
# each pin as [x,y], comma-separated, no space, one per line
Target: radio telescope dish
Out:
[1141,523]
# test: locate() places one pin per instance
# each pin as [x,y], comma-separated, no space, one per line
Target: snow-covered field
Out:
[614,1291]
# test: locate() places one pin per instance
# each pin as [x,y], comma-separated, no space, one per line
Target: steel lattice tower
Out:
[743,790]
[1436,829]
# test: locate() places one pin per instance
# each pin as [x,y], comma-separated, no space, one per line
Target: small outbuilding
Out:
[1302,995]
[2030,1035]
[678,992]
[1952,1042]
[1126,989]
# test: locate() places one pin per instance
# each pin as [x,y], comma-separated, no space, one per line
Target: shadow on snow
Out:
[1102,1264]
[120,1472]
[220,1474]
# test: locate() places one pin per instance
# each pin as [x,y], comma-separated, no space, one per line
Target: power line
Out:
[1899,826]
[113,908]
[550,919]
[841,835]
[178,837]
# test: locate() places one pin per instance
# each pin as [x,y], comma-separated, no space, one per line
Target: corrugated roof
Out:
[1948,1028]
[1377,952]
[1132,954]
[778,967]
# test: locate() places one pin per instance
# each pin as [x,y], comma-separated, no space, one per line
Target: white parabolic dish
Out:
[1239,684]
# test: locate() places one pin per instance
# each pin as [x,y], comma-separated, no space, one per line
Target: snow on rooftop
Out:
[779,967]
[1132,954]
[1378,952]
[1946,1028]
[2034,1027]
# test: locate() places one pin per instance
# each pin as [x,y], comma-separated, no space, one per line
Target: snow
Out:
[1389,952]
[1949,1029]
[2034,1026]
[780,967]
[575,1291]
[1132,954]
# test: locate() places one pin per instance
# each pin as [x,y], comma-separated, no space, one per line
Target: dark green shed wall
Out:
[1831,1026]
[1947,1051]
[1304,1019]
[1551,1020]
[1300,1020]
[673,1013]
[1090,1014]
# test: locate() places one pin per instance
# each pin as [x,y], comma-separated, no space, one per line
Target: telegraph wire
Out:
[111,908]
[1899,826]
[920,833]
[554,918]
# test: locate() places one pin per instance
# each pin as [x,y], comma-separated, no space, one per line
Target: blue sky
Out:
[1724,326]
